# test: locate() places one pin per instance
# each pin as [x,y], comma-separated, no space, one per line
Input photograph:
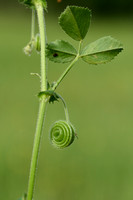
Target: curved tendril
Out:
[65,108]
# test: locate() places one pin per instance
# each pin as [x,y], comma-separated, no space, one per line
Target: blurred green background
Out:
[99,165]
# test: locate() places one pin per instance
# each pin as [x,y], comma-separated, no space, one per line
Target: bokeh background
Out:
[99,165]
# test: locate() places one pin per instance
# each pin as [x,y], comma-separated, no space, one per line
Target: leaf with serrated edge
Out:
[75,21]
[101,51]
[60,51]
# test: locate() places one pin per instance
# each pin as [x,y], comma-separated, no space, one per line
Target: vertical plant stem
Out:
[36,147]
[41,22]
[42,106]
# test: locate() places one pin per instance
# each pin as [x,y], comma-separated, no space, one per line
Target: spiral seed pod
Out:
[62,134]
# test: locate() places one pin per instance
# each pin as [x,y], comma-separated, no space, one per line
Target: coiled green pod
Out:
[62,134]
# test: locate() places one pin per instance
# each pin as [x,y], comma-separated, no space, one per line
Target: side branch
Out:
[68,68]
[65,73]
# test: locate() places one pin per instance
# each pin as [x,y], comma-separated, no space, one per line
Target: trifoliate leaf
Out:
[75,21]
[101,51]
[60,51]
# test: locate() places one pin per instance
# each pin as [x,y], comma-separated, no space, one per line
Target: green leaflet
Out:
[75,21]
[60,51]
[101,51]
[31,3]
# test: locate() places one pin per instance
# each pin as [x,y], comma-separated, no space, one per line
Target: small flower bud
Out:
[28,49]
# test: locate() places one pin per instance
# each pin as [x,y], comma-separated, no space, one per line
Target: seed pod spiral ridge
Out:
[62,134]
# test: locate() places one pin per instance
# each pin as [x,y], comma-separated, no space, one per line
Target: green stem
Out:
[65,72]
[36,147]
[42,106]
[41,22]
[65,108]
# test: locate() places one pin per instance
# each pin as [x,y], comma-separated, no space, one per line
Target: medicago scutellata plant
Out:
[75,22]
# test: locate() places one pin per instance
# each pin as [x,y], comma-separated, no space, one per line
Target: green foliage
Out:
[31,3]
[61,51]
[28,3]
[101,51]
[62,134]
[75,21]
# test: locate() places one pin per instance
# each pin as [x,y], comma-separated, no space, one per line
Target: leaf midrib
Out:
[119,48]
[76,23]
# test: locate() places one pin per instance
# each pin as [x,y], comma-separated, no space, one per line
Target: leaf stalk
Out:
[68,68]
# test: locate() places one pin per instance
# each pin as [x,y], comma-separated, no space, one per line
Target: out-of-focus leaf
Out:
[24,197]
[28,3]
[31,3]
[75,21]
[60,51]
[102,50]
